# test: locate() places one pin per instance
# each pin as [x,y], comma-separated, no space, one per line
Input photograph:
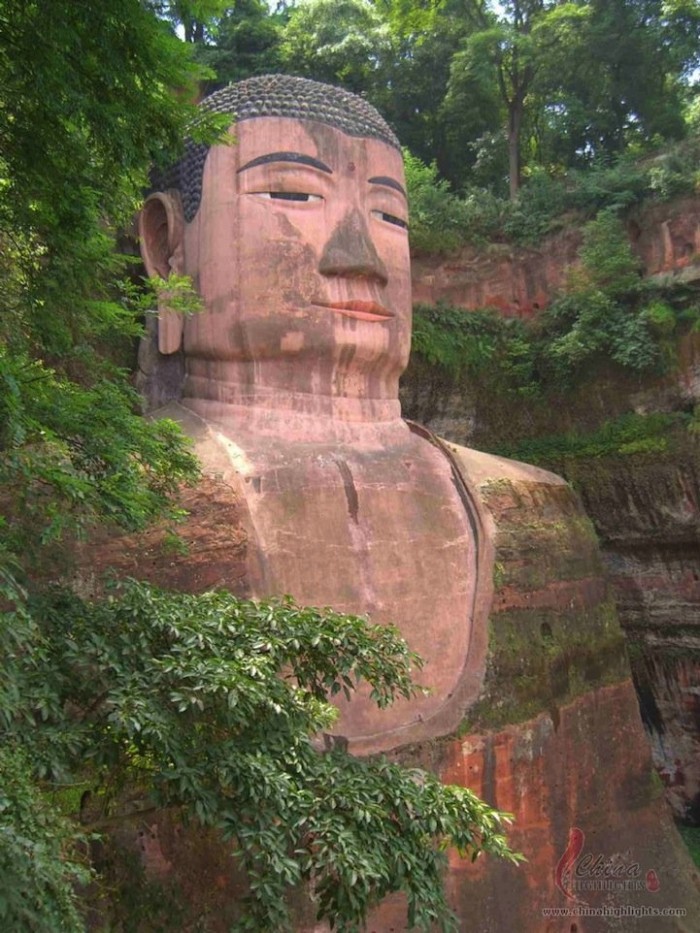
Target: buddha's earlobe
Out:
[161,228]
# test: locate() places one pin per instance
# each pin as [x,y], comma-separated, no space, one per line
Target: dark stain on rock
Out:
[489,793]
[347,354]
[287,228]
[350,251]
[325,139]
[349,487]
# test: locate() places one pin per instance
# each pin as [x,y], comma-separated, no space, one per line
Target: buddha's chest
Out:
[364,532]
[382,532]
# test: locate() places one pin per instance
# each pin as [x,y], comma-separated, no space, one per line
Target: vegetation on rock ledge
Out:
[608,312]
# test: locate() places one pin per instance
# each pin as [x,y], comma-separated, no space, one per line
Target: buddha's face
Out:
[299,251]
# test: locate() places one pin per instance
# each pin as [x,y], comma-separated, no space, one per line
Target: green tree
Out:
[85,107]
[414,80]
[515,38]
[621,79]
[339,41]
[210,704]
[541,84]
[245,41]
[194,18]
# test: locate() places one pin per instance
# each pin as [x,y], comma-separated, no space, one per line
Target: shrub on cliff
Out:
[608,313]
[481,345]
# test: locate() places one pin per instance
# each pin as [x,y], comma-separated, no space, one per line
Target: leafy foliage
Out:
[71,455]
[629,434]
[607,260]
[85,106]
[691,837]
[562,97]
[245,40]
[79,125]
[485,90]
[210,704]
[38,873]
[609,312]
[476,344]
[340,41]
[441,221]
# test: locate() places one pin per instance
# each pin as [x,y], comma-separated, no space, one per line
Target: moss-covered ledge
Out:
[553,628]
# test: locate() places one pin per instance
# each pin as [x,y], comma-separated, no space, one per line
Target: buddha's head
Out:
[295,236]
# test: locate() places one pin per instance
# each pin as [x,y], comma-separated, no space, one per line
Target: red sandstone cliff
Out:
[519,281]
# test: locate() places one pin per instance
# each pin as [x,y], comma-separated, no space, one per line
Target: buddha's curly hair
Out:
[273,96]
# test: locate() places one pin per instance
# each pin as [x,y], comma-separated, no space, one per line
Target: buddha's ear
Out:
[161,229]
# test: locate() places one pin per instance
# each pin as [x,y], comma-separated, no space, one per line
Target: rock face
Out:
[567,784]
[556,738]
[209,552]
[519,281]
[666,237]
[647,512]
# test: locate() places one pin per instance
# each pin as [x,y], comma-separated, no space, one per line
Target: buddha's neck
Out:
[263,411]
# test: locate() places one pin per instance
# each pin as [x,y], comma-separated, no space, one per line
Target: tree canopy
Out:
[489,91]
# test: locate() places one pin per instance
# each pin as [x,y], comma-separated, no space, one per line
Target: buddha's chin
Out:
[351,347]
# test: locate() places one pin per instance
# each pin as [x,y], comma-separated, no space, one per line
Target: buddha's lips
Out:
[362,310]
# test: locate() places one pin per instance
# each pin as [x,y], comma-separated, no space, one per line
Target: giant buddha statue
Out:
[295,237]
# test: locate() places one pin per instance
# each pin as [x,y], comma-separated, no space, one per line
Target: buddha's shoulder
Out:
[533,518]
[481,469]
[216,452]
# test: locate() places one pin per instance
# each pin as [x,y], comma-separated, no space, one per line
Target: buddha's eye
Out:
[391,219]
[289,196]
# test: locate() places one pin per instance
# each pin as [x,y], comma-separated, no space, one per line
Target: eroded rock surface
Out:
[519,281]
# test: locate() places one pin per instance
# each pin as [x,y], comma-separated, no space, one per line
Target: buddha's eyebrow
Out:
[296,157]
[388,183]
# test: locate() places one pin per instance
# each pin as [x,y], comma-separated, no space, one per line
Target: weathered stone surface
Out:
[206,551]
[520,281]
[647,510]
[469,413]
[300,255]
[666,237]
[588,770]
[376,522]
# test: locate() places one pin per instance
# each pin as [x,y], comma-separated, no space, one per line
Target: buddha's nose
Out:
[351,252]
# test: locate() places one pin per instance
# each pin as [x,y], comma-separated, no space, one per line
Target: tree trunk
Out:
[515,122]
